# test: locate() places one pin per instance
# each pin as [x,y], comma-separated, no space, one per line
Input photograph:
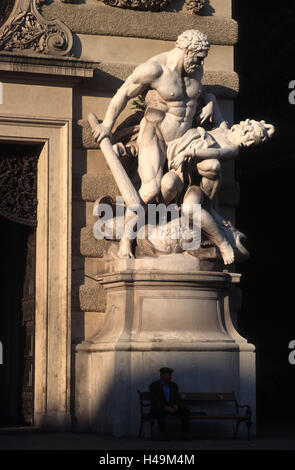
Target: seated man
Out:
[165,401]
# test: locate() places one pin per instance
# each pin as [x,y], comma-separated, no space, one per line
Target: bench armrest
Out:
[248,411]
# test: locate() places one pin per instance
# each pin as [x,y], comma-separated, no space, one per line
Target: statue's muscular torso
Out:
[179,92]
[180,95]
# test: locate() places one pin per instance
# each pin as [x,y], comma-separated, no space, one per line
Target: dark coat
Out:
[158,399]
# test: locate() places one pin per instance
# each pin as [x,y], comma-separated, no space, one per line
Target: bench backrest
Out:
[196,396]
[145,396]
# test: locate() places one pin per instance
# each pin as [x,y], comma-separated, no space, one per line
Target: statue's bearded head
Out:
[250,132]
[195,46]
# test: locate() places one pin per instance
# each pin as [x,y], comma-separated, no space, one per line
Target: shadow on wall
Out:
[77,46]
[266,178]
[111,82]
[79,168]
[113,407]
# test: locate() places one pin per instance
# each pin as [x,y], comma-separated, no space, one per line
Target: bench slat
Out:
[196,396]
[189,396]
[199,416]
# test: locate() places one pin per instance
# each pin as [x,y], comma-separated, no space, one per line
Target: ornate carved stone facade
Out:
[18,185]
[27,31]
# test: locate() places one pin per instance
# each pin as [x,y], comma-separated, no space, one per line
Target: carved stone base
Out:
[161,318]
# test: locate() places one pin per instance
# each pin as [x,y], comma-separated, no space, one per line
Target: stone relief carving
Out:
[179,146]
[27,31]
[192,6]
[149,5]
[18,185]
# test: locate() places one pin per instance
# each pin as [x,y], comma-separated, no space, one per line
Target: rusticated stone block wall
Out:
[114,41]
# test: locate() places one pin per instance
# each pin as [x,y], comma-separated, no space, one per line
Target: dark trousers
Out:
[183,414]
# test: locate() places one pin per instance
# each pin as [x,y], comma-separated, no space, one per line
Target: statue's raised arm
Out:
[142,77]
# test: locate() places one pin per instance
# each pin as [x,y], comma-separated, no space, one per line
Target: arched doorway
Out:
[18,206]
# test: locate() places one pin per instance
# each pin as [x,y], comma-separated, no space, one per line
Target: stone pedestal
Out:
[161,318]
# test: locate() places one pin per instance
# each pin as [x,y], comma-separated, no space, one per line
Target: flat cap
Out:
[166,370]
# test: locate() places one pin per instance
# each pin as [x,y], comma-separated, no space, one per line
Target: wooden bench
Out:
[191,399]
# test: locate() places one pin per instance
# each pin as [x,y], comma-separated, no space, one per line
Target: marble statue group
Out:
[180,142]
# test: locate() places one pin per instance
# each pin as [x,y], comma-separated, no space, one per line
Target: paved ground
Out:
[268,438]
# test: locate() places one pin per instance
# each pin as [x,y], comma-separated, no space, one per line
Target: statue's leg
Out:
[150,168]
[171,186]
[125,247]
[234,236]
[151,161]
[210,171]
[209,226]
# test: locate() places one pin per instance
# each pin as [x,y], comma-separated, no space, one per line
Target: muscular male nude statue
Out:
[176,75]
[175,78]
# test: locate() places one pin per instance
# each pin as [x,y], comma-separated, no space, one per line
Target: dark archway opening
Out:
[15,372]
